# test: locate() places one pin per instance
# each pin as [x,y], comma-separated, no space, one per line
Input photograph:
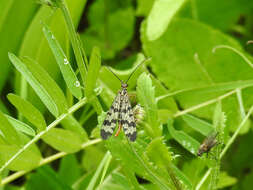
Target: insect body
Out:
[209,142]
[120,112]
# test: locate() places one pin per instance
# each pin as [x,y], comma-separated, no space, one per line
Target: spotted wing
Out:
[127,119]
[111,119]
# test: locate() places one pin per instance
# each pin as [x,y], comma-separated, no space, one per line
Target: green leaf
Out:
[160,156]
[111,27]
[27,160]
[146,97]
[194,170]
[92,157]
[35,46]
[73,125]
[46,178]
[160,16]
[132,157]
[182,138]
[107,157]
[115,181]
[158,152]
[17,26]
[69,170]
[49,84]
[217,116]
[20,126]
[9,132]
[182,178]
[31,113]
[225,180]
[63,140]
[3,108]
[181,61]
[197,124]
[93,71]
[144,7]
[63,63]
[91,79]
[222,20]
[35,84]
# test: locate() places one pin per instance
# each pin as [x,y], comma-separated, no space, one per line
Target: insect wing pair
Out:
[209,142]
[120,112]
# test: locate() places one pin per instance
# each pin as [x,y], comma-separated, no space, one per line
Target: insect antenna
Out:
[114,74]
[149,58]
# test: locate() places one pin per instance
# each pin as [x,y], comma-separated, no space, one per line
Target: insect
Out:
[120,112]
[209,142]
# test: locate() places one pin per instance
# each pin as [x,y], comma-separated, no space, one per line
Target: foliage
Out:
[198,80]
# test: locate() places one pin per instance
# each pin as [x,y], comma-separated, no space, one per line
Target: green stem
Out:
[98,171]
[229,143]
[240,102]
[45,161]
[231,140]
[234,50]
[204,104]
[39,135]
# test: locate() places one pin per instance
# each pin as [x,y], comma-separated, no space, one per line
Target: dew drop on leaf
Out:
[77,83]
[66,61]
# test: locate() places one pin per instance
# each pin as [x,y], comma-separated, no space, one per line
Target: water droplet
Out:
[184,143]
[188,144]
[53,36]
[192,151]
[66,61]
[77,83]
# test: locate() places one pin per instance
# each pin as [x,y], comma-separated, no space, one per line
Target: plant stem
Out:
[39,135]
[99,170]
[45,161]
[231,140]
[234,50]
[204,104]
[203,179]
[74,40]
[240,102]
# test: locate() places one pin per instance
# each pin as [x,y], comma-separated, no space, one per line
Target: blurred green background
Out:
[179,36]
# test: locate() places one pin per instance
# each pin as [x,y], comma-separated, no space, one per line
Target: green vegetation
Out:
[55,92]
